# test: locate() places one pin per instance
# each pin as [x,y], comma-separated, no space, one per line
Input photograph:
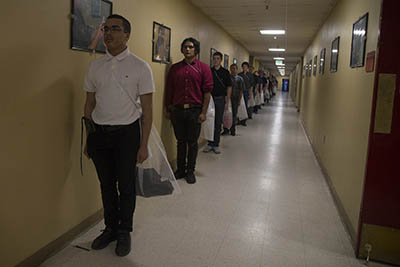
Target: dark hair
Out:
[196,44]
[234,65]
[219,54]
[125,22]
[245,63]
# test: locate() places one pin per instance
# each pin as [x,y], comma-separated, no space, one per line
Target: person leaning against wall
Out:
[236,96]
[221,95]
[114,84]
[189,84]
[248,92]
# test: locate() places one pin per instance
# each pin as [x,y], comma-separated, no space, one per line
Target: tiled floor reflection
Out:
[262,202]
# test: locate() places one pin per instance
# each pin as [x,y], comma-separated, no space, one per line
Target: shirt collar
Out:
[121,56]
[193,62]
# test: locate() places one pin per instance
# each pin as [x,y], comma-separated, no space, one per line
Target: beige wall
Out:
[43,194]
[336,107]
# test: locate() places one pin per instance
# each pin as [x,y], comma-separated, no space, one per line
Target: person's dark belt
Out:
[109,128]
[218,97]
[186,106]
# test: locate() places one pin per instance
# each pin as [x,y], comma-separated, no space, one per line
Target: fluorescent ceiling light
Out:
[279,58]
[277,49]
[272,32]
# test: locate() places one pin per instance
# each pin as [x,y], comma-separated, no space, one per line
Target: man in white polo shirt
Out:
[119,90]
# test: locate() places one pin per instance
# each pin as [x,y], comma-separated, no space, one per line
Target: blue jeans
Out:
[219,116]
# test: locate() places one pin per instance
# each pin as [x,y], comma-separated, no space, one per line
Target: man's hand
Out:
[142,154]
[202,117]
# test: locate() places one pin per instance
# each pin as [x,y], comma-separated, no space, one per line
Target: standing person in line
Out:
[237,93]
[248,92]
[189,85]
[114,84]
[221,95]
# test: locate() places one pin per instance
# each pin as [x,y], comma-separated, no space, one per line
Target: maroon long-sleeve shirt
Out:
[186,83]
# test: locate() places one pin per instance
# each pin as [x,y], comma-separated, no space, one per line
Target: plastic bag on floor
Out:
[227,122]
[155,176]
[207,127]
[242,112]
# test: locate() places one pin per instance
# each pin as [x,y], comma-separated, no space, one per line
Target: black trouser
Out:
[219,103]
[235,105]
[114,151]
[187,131]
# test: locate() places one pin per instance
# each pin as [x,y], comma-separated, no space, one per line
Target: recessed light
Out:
[279,58]
[277,49]
[272,32]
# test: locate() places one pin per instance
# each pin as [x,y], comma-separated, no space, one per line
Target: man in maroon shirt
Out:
[189,85]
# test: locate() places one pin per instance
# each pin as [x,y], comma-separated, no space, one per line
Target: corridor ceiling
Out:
[243,20]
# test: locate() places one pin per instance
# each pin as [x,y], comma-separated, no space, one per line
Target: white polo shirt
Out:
[118,82]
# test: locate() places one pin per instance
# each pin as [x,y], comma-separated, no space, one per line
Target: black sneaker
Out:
[179,174]
[233,133]
[190,178]
[104,239]
[123,244]
[225,132]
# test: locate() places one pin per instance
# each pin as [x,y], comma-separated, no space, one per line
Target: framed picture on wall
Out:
[234,61]
[87,19]
[322,61]
[198,54]
[358,42]
[212,51]
[335,54]
[309,68]
[226,61]
[161,43]
[315,65]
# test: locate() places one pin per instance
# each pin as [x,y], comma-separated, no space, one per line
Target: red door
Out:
[381,200]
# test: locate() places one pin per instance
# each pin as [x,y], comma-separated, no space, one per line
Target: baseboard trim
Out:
[343,215]
[60,243]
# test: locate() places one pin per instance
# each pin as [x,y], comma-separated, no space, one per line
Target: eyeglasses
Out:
[112,29]
[188,46]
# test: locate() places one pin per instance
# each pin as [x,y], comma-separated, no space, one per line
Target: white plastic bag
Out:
[257,100]
[207,127]
[227,120]
[251,102]
[242,112]
[262,97]
[155,176]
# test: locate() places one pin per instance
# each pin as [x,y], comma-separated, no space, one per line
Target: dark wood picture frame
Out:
[87,19]
[161,50]
[359,42]
[322,61]
[226,61]
[315,65]
[335,54]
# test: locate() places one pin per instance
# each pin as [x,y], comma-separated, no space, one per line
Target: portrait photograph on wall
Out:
[322,61]
[212,51]
[358,42]
[161,43]
[87,19]
[315,65]
[234,61]
[226,61]
[335,54]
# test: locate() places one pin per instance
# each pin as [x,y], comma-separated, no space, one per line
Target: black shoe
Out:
[179,174]
[104,239]
[225,132]
[123,244]
[190,178]
[233,133]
